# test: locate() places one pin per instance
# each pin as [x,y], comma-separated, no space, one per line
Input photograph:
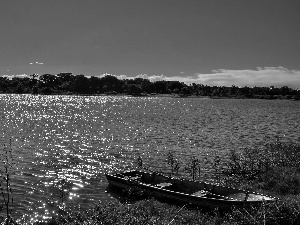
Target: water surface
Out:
[73,140]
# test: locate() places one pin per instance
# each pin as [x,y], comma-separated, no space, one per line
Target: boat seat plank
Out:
[163,185]
[136,178]
[201,193]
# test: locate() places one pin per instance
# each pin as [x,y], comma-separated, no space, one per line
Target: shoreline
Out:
[262,97]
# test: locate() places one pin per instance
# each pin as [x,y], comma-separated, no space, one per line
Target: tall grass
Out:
[153,212]
[6,170]
[173,162]
[193,167]
[274,167]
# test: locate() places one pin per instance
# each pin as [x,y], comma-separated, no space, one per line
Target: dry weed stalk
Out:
[5,186]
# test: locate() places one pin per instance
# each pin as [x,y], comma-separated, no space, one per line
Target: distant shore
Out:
[69,84]
[265,97]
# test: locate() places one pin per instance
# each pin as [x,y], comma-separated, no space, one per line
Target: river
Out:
[74,140]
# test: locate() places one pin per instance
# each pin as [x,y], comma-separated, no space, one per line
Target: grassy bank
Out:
[154,212]
[273,169]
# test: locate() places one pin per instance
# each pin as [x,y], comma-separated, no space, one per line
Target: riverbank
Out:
[153,212]
[263,97]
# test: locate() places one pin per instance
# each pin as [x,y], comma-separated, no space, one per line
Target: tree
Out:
[66,77]
[33,76]
[65,80]
[144,84]
[81,84]
[112,83]
[285,90]
[234,90]
[49,80]
[134,89]
[160,87]
[185,91]
[4,84]
[20,85]
[246,91]
[96,85]
[172,85]
[47,90]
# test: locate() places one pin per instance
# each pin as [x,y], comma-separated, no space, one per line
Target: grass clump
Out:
[6,169]
[275,167]
[142,212]
[285,213]
[153,212]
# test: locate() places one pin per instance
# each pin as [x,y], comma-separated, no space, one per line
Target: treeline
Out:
[66,83]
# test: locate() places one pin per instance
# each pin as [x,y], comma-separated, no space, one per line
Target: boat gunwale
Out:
[225,198]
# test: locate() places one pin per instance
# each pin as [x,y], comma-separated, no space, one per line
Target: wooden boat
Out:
[201,194]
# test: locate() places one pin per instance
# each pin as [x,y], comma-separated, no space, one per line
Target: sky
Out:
[212,42]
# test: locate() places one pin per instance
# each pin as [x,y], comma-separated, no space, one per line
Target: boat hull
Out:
[172,190]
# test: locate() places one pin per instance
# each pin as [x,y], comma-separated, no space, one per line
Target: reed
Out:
[173,162]
[5,186]
[139,162]
[193,167]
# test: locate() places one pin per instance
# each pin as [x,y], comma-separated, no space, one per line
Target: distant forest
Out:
[67,83]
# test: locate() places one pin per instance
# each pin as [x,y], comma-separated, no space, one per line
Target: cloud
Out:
[262,76]
[152,78]
[17,75]
[40,63]
[122,77]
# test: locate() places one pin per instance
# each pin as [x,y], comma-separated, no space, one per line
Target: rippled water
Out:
[76,139]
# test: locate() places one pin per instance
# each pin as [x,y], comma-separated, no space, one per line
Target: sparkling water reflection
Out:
[69,142]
